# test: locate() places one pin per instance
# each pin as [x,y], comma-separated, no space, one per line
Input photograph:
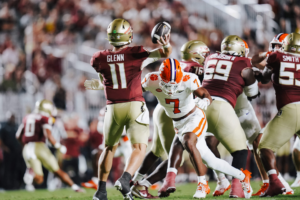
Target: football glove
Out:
[93,84]
[202,103]
[61,148]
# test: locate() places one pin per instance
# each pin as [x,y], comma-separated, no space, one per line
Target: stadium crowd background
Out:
[45,47]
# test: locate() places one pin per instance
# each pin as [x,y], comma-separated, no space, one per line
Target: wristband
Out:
[166,46]
[57,145]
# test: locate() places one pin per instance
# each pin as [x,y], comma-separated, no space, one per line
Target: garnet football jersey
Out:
[222,76]
[121,72]
[34,125]
[286,77]
[181,103]
[193,67]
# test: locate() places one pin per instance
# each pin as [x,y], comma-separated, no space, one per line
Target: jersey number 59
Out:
[220,72]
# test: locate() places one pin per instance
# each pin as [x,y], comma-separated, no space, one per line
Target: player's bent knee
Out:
[38,179]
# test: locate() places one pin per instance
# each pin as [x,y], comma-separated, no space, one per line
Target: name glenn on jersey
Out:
[115,58]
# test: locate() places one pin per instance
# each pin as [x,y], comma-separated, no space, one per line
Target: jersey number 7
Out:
[176,105]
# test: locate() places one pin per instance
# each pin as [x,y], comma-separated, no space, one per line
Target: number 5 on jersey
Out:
[176,105]
[114,75]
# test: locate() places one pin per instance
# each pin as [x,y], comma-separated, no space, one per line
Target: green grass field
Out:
[183,192]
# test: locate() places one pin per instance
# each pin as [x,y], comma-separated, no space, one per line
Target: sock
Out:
[102,186]
[221,176]
[126,176]
[239,159]
[298,174]
[272,171]
[75,187]
[266,181]
[95,180]
[201,179]
[172,169]
[138,177]
[145,182]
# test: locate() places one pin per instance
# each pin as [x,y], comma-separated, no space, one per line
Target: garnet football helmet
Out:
[233,45]
[171,76]
[278,39]
[247,49]
[291,43]
[46,107]
[119,32]
[194,50]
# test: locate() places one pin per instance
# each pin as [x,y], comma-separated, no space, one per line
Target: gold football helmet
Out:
[291,43]
[233,45]
[194,50]
[45,107]
[119,32]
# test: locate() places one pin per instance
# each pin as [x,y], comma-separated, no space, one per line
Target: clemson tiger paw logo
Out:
[186,78]
[153,77]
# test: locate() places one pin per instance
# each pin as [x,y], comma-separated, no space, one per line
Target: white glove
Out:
[202,103]
[61,148]
[93,84]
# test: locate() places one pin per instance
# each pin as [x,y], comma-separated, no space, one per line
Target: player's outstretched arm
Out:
[251,87]
[51,139]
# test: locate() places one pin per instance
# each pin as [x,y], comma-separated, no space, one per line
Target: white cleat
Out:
[222,187]
[288,189]
[296,182]
[202,191]
[246,184]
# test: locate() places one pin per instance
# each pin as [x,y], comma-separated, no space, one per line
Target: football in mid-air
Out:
[160,29]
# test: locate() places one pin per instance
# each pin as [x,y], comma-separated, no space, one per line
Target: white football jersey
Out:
[181,103]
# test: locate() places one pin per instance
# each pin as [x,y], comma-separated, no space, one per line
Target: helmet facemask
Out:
[169,88]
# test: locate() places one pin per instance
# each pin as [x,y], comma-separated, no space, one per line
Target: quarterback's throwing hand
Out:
[202,103]
[93,84]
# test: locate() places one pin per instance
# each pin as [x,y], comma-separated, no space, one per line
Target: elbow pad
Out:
[251,90]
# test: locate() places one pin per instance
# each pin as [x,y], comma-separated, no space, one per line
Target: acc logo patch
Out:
[186,78]
[153,77]
[158,90]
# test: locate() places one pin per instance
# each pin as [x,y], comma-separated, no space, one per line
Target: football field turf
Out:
[185,191]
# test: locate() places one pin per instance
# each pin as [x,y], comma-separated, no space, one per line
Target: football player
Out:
[282,69]
[33,131]
[119,71]
[227,75]
[193,54]
[174,90]
[275,46]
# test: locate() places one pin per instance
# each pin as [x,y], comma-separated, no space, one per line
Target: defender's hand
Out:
[93,84]
[202,103]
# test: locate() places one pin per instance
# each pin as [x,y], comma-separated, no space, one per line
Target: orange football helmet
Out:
[278,39]
[247,48]
[171,76]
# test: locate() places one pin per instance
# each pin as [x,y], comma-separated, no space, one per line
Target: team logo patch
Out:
[186,78]
[293,49]
[153,77]
[158,90]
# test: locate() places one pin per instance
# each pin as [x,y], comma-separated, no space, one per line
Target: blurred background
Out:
[46,45]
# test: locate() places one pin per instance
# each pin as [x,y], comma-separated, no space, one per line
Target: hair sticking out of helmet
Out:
[195,50]
[119,32]
[277,41]
[247,49]
[170,76]
[291,44]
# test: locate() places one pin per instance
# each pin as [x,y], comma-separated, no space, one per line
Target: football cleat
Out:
[275,187]
[263,189]
[124,188]
[90,184]
[202,191]
[236,189]
[141,191]
[222,187]
[246,184]
[100,196]
[168,185]
[296,182]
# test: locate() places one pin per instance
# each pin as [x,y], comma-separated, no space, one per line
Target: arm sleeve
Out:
[95,61]
[47,122]
[154,56]
[146,82]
